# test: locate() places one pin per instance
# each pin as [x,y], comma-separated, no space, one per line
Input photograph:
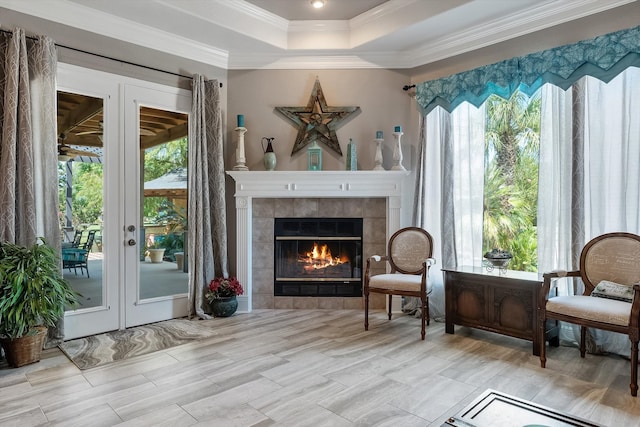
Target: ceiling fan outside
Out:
[67,152]
[143,132]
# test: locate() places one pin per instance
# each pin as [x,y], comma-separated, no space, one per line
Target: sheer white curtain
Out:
[589,169]
[468,126]
[452,155]
[612,168]
[555,182]
[612,154]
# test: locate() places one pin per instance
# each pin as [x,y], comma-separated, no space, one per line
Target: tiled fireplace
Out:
[374,197]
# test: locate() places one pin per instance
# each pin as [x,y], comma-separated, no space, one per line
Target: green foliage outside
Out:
[512,144]
[87,199]
[87,195]
[158,161]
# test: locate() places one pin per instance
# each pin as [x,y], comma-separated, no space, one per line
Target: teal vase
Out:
[224,307]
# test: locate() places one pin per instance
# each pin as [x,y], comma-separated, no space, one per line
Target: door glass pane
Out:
[80,178]
[163,157]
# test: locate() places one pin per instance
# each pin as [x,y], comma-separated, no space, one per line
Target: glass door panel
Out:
[163,150]
[86,169]
[156,140]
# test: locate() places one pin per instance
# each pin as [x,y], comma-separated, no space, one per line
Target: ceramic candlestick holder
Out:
[240,156]
[378,158]
[397,153]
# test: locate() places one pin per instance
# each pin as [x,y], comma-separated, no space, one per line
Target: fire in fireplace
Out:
[318,257]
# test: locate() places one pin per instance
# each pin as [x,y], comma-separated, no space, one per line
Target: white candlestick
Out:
[378,159]
[397,153]
[240,159]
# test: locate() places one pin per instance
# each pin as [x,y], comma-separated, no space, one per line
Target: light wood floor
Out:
[315,368]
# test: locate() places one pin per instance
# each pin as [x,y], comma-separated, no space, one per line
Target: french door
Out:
[155,131]
[113,134]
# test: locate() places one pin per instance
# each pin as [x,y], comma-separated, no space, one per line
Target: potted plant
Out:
[33,296]
[222,296]
[156,253]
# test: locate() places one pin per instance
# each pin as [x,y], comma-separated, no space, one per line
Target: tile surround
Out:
[373,214]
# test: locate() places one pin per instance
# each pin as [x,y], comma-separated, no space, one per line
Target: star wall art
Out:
[316,121]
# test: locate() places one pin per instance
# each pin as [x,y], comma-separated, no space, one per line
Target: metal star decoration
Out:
[317,121]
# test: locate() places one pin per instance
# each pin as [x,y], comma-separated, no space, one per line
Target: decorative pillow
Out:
[612,290]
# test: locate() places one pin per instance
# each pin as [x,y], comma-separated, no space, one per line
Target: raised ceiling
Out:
[289,34]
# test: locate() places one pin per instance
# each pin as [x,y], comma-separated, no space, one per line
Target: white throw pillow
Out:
[612,290]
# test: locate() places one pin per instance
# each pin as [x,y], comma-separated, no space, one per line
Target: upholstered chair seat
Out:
[606,310]
[398,282]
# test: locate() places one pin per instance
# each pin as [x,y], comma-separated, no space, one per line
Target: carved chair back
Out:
[408,249]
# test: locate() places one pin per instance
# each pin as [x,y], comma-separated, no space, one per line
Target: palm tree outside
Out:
[512,145]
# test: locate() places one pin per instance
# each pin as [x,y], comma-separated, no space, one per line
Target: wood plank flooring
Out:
[315,368]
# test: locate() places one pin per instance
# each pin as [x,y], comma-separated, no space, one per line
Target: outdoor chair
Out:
[409,258]
[78,257]
[610,271]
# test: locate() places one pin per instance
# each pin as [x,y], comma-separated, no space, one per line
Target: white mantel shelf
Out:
[307,184]
[267,184]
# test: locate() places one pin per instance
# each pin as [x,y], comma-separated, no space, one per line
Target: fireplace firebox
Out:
[320,257]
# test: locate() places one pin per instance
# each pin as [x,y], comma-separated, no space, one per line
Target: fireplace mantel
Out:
[306,184]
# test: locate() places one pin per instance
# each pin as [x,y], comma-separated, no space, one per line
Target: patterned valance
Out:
[602,57]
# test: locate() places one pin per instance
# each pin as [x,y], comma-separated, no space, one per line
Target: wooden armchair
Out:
[610,271]
[409,256]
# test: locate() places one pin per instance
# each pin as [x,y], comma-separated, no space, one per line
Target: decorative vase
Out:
[269,158]
[224,307]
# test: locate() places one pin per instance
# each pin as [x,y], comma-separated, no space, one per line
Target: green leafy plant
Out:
[32,290]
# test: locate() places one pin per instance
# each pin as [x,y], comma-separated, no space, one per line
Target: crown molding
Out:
[508,27]
[95,21]
[300,62]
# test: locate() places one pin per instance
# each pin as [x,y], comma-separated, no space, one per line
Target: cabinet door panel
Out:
[470,303]
[513,314]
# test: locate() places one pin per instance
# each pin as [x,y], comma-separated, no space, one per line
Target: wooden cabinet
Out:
[504,302]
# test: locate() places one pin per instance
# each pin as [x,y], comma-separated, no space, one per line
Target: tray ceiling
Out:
[289,34]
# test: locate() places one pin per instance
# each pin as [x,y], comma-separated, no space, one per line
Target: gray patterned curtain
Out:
[207,210]
[28,158]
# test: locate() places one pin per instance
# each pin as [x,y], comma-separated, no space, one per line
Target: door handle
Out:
[131,242]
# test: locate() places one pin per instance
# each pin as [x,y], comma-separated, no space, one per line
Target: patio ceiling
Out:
[80,123]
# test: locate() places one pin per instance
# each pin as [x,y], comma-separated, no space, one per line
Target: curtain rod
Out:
[111,58]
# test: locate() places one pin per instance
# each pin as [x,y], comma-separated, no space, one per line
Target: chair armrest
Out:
[550,277]
[430,261]
[375,258]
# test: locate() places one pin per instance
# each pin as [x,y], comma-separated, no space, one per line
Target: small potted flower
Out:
[222,296]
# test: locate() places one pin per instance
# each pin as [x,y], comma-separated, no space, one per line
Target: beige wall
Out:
[378,93]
